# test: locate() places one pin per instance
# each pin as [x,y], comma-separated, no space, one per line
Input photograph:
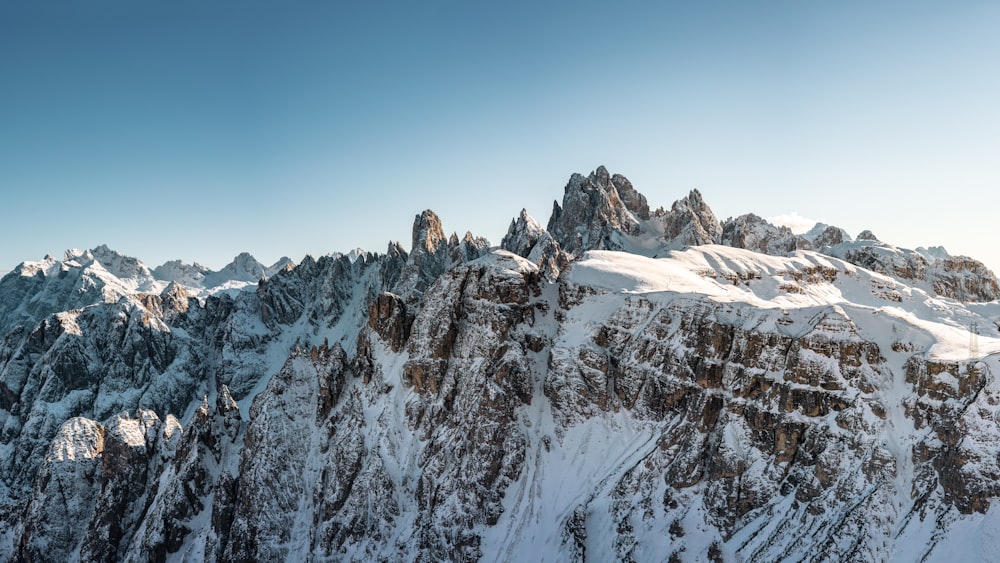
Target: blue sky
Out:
[197,130]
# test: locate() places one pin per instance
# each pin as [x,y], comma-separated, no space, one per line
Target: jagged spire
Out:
[593,209]
[522,235]
[690,222]
[428,236]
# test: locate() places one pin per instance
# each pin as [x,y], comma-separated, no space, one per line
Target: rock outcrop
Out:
[594,213]
[754,233]
[527,239]
[432,254]
[690,222]
[822,237]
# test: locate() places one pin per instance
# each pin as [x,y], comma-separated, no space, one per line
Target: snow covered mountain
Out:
[626,384]
[243,271]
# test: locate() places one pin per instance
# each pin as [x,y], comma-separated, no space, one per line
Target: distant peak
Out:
[70,254]
[867,235]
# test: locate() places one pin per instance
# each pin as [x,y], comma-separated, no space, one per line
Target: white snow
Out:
[78,438]
[129,430]
[733,275]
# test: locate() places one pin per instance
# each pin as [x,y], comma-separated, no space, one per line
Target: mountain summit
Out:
[626,384]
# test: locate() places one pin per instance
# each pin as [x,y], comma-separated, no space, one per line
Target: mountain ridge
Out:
[596,390]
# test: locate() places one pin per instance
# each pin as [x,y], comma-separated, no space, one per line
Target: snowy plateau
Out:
[623,384]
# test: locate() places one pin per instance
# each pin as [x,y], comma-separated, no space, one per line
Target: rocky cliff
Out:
[619,386]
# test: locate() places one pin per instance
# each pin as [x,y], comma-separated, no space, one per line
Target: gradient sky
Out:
[197,130]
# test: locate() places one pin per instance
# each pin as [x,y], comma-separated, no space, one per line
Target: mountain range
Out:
[624,384]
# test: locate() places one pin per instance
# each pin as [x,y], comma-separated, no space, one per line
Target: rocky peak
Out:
[522,235]
[126,268]
[964,279]
[633,200]
[283,263]
[395,250]
[169,303]
[191,275]
[690,222]
[175,298]
[755,233]
[428,235]
[391,267]
[594,212]
[429,257]
[867,235]
[527,239]
[244,267]
[468,248]
[549,257]
[824,236]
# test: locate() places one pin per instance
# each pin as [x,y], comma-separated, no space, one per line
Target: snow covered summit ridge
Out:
[626,385]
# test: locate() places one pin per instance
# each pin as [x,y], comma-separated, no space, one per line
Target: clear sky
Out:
[196,130]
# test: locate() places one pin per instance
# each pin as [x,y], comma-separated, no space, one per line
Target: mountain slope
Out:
[600,391]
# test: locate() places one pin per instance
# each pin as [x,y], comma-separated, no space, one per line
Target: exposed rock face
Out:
[965,279]
[190,509]
[523,235]
[633,200]
[886,260]
[468,365]
[457,403]
[388,317]
[754,233]
[829,236]
[431,254]
[280,446]
[751,420]
[956,277]
[690,222]
[527,239]
[109,469]
[317,290]
[594,213]
[92,363]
